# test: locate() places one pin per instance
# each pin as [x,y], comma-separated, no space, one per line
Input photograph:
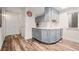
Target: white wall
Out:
[1,41]
[63,20]
[15,21]
[12,24]
[78,20]
[11,21]
[29,24]
[69,34]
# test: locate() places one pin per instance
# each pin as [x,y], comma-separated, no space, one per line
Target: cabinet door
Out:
[61,33]
[52,35]
[58,34]
[45,36]
[36,33]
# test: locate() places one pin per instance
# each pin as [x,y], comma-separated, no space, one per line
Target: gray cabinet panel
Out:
[49,14]
[52,35]
[36,34]
[47,35]
[57,34]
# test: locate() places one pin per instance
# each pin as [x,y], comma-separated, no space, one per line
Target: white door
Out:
[11,23]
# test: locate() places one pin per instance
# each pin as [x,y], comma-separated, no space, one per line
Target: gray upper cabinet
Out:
[50,13]
[40,18]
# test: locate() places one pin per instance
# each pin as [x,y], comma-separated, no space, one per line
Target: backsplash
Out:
[48,24]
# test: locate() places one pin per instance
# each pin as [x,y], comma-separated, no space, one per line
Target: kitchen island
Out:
[47,35]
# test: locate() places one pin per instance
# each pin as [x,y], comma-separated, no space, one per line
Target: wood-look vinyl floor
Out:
[17,43]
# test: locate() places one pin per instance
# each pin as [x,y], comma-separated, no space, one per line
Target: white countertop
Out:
[48,27]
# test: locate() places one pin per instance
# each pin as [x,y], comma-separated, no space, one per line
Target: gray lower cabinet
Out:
[47,35]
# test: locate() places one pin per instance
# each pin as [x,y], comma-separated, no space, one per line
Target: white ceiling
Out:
[40,10]
[36,10]
[63,7]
